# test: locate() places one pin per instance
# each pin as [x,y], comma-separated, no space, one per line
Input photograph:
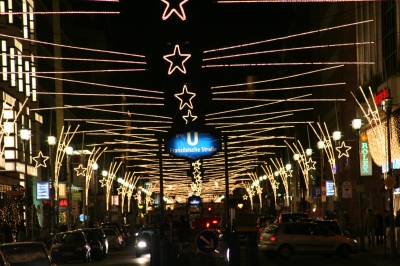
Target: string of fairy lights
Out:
[245,123]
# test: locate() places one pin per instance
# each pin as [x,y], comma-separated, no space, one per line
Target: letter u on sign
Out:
[189,138]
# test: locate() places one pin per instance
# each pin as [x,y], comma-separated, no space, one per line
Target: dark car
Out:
[114,238]
[103,239]
[290,217]
[24,253]
[70,246]
[120,230]
[96,246]
[143,240]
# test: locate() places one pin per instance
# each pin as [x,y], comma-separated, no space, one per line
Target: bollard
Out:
[165,252]
[251,251]
[155,250]
[234,250]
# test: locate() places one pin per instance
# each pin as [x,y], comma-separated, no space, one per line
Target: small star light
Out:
[343,150]
[40,160]
[182,60]
[103,182]
[245,197]
[185,97]
[189,117]
[310,164]
[80,171]
[169,10]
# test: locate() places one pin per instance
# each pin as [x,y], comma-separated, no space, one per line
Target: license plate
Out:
[68,253]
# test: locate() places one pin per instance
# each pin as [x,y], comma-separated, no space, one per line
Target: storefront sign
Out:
[380,96]
[62,191]
[43,190]
[330,188]
[365,158]
[347,190]
[76,196]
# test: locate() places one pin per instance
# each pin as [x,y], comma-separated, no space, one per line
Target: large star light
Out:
[185,97]
[176,57]
[80,171]
[343,150]
[40,160]
[173,8]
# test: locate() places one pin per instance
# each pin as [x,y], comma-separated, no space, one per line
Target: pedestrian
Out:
[379,228]
[334,216]
[344,219]
[171,227]
[184,227]
[370,224]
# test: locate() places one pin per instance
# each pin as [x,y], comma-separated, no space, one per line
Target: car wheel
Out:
[343,252]
[328,256]
[270,255]
[285,252]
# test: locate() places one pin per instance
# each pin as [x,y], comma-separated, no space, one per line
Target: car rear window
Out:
[271,229]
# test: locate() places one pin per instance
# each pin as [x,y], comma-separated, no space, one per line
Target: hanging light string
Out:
[76,71]
[71,47]
[62,13]
[281,100]
[280,89]
[276,79]
[96,105]
[289,64]
[259,114]
[286,50]
[287,37]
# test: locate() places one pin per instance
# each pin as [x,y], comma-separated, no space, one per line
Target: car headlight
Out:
[54,250]
[142,244]
[136,234]
[355,241]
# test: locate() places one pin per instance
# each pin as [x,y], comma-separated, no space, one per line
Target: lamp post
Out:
[95,167]
[288,168]
[356,125]
[104,173]
[25,135]
[69,150]
[51,140]
[321,147]
[387,105]
[336,136]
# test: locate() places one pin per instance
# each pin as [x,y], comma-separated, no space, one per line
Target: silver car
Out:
[286,239]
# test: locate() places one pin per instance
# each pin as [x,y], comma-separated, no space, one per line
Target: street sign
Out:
[389,182]
[206,241]
[316,193]
[347,190]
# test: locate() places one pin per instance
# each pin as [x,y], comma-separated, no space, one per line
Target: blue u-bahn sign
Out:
[192,144]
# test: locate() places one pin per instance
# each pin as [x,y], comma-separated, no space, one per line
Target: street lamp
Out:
[387,105]
[356,125]
[309,152]
[336,135]
[69,150]
[51,140]
[25,135]
[321,147]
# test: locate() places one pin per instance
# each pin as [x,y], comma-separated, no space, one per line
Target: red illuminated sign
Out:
[380,96]
[63,203]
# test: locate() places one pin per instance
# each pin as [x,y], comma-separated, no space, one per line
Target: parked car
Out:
[285,239]
[103,239]
[127,235]
[120,230]
[290,217]
[25,253]
[96,246]
[70,246]
[114,238]
[143,240]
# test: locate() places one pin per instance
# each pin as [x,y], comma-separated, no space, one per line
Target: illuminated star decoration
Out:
[169,10]
[245,197]
[311,164]
[343,150]
[80,171]
[185,97]
[182,60]
[40,160]
[189,117]
[197,185]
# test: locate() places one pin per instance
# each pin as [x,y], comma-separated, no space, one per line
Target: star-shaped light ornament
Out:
[310,164]
[185,97]
[173,8]
[40,160]
[175,58]
[343,150]
[245,197]
[189,117]
[80,171]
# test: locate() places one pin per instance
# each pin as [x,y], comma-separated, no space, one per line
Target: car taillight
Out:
[273,238]
[261,238]
[214,222]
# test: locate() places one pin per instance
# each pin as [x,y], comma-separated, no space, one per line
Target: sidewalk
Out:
[376,255]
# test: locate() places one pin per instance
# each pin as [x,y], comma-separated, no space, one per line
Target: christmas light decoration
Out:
[276,79]
[108,180]
[284,173]
[92,160]
[63,143]
[75,72]
[288,1]
[288,37]
[275,100]
[40,160]
[343,150]
[169,11]
[279,89]
[288,64]
[182,97]
[270,176]
[189,117]
[80,171]
[173,66]
[128,182]
[256,183]
[286,50]
[96,105]
[63,13]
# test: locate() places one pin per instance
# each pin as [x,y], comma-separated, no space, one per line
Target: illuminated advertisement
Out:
[43,190]
[330,188]
[365,157]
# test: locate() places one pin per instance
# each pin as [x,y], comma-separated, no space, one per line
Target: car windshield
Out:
[70,237]
[25,255]
[147,231]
